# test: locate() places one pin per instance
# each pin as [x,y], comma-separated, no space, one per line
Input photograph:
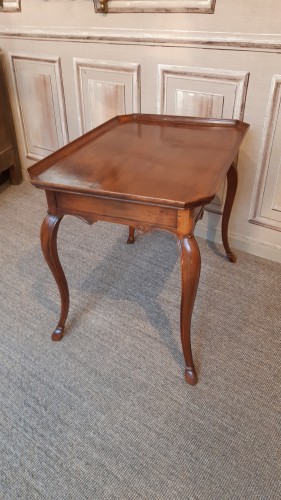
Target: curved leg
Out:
[131,237]
[232,181]
[49,231]
[190,272]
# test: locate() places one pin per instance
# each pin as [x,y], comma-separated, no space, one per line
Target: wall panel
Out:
[40,100]
[266,206]
[105,89]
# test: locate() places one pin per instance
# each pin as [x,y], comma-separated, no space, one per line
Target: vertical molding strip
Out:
[268,138]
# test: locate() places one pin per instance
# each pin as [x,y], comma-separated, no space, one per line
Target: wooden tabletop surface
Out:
[156,159]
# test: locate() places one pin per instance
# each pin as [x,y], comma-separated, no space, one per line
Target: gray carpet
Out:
[106,414]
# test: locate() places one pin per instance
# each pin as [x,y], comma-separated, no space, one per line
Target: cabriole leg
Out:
[190,273]
[232,181]
[131,237]
[49,231]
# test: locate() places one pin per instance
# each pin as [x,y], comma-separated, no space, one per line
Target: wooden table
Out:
[147,172]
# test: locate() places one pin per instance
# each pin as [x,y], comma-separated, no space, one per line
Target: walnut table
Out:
[145,171]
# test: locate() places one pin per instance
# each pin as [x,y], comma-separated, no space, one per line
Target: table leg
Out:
[131,237]
[232,181]
[15,174]
[49,231]
[190,272]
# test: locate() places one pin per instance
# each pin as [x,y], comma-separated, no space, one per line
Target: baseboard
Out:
[244,243]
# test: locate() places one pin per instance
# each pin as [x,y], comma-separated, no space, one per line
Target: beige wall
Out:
[70,68]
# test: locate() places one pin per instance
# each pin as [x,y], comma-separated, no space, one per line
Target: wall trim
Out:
[219,40]
[195,6]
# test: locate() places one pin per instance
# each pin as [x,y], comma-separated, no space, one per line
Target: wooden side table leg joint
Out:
[49,230]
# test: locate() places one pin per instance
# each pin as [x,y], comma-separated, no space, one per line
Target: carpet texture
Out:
[106,413]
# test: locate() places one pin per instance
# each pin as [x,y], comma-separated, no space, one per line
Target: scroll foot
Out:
[131,237]
[57,334]
[231,257]
[190,375]
[15,174]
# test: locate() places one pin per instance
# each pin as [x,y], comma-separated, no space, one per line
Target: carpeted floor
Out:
[106,414]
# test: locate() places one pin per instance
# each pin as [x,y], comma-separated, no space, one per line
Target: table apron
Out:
[122,212]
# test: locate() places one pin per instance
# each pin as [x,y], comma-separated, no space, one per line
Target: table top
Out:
[155,159]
